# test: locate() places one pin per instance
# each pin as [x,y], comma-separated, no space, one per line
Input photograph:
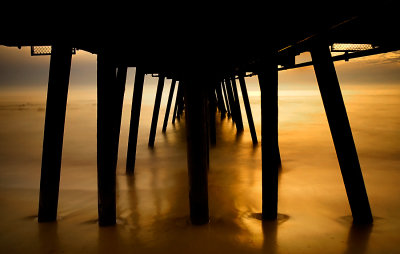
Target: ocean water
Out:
[152,206]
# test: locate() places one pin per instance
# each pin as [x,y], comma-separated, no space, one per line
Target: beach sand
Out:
[152,206]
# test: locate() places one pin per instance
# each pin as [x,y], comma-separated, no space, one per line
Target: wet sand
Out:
[152,206]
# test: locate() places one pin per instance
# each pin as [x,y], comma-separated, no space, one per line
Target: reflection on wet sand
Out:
[152,204]
[270,233]
[48,237]
[357,241]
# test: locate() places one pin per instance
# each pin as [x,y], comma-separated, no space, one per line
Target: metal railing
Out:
[44,50]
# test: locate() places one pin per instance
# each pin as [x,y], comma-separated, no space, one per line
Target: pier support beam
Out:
[134,124]
[157,103]
[268,79]
[122,71]
[212,111]
[227,102]
[220,101]
[197,147]
[231,100]
[181,104]
[341,133]
[248,109]
[171,94]
[110,95]
[178,95]
[60,66]
[238,112]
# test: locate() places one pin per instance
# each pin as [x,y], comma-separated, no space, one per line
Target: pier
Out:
[206,73]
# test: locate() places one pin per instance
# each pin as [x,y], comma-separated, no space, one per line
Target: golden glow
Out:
[152,206]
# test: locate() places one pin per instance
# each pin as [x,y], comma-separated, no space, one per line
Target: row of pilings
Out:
[199,96]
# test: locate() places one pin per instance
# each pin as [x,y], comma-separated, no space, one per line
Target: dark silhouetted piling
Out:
[247,107]
[228,106]
[178,102]
[60,66]
[178,93]
[171,94]
[110,95]
[120,86]
[268,79]
[231,99]
[197,148]
[212,111]
[341,133]
[181,105]
[220,100]
[238,112]
[156,110]
[134,124]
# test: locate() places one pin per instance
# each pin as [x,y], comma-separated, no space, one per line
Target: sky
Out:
[20,72]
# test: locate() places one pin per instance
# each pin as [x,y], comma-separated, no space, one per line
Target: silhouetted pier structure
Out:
[205,69]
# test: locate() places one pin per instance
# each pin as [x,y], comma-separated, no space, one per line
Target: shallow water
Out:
[152,206]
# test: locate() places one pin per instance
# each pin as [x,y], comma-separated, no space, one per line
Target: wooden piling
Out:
[181,105]
[197,148]
[60,66]
[120,87]
[171,94]
[228,106]
[221,103]
[247,107]
[231,99]
[341,133]
[238,112]
[178,94]
[268,79]
[135,116]
[156,110]
[212,111]
[109,100]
